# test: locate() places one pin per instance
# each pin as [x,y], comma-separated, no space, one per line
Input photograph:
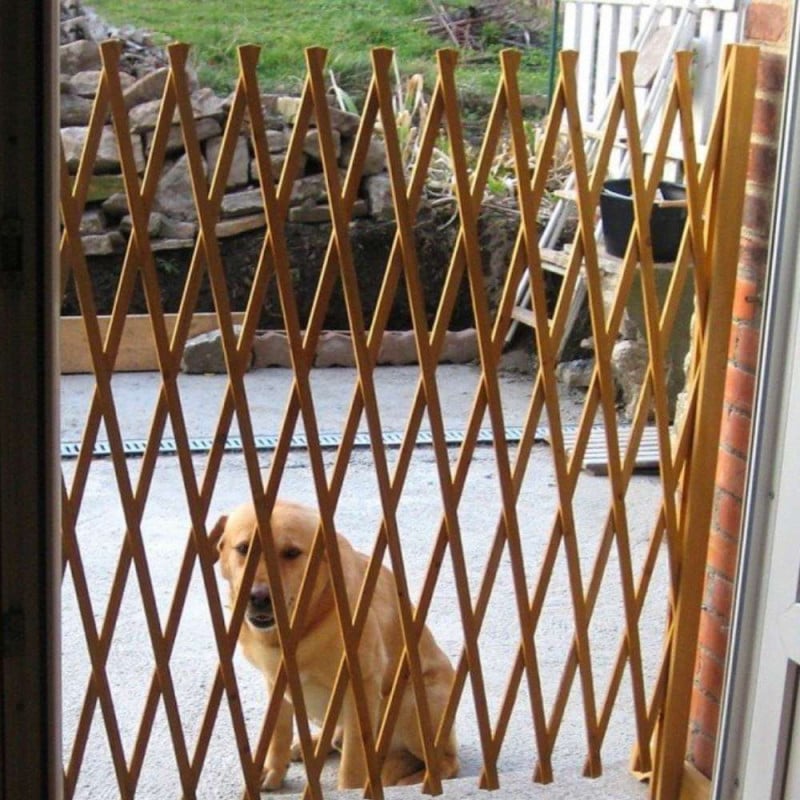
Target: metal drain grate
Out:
[198,445]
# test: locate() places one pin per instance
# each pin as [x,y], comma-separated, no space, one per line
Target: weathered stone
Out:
[360,209]
[116,204]
[92,222]
[239,204]
[154,224]
[277,160]
[204,129]
[287,107]
[375,160]
[75,29]
[159,245]
[460,347]
[277,141]
[174,196]
[175,229]
[576,374]
[107,159]
[147,88]
[204,354]
[103,244]
[271,349]
[341,121]
[344,122]
[312,147]
[629,360]
[207,104]
[85,83]
[103,186]
[237,225]
[310,189]
[334,349]
[204,104]
[378,189]
[144,116]
[310,214]
[519,360]
[79,56]
[238,174]
[74,110]
[398,348]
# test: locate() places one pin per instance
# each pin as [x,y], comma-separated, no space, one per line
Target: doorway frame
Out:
[741,732]
[30,555]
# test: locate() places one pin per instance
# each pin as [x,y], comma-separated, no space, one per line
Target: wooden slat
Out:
[156,341]
[137,352]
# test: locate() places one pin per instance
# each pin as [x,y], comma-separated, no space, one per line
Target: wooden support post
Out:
[724,220]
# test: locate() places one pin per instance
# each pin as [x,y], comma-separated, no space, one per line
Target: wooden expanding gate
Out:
[672,534]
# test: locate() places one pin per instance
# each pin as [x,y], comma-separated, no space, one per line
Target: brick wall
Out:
[766,24]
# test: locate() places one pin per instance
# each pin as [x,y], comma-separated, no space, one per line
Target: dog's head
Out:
[292,528]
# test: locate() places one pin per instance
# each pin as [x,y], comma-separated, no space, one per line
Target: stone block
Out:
[398,348]
[74,110]
[237,225]
[312,147]
[103,244]
[107,160]
[204,354]
[238,174]
[239,204]
[271,349]
[460,347]
[147,88]
[334,349]
[79,56]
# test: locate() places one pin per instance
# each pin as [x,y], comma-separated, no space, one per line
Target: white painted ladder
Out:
[599,31]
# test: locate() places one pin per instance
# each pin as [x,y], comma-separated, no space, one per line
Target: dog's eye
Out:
[291,553]
[242,548]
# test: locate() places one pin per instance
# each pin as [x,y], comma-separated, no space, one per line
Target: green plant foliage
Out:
[284,28]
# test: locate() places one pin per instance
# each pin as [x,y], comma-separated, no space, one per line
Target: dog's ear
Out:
[215,536]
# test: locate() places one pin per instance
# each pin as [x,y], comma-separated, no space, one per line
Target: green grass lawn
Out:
[348,28]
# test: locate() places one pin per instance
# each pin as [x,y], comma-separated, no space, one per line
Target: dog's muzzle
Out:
[260,613]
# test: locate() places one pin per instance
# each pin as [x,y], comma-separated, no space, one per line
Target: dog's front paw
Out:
[296,753]
[272,779]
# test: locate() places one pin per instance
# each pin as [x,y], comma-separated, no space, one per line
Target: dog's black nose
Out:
[260,599]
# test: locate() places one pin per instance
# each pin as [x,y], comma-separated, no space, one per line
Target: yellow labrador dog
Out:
[320,647]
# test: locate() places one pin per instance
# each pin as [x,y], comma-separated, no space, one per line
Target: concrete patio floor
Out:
[165,526]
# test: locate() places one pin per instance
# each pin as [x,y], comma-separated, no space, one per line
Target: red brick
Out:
[745,351]
[766,22]
[735,432]
[753,254]
[756,212]
[766,114]
[762,163]
[746,300]
[727,517]
[712,645]
[739,388]
[730,472]
[704,709]
[771,72]
[701,753]
[719,595]
[722,554]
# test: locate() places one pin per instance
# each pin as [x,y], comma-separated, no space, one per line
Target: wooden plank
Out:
[137,352]
[723,223]
[695,785]
[595,459]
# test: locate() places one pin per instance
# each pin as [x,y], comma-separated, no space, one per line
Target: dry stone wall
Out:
[173,223]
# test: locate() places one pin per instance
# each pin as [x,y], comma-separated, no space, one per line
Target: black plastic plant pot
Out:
[666,221]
